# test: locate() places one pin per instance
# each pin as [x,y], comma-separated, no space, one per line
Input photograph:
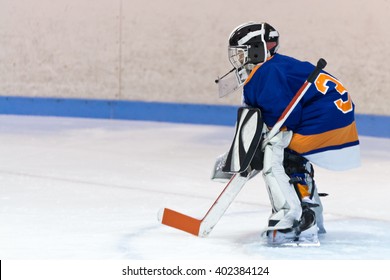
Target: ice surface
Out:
[91,189]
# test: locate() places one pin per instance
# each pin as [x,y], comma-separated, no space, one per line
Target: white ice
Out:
[91,189]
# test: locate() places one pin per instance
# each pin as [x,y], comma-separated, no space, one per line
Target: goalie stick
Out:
[202,227]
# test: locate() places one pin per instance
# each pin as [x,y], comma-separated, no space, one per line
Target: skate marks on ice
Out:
[356,238]
[346,239]
[238,236]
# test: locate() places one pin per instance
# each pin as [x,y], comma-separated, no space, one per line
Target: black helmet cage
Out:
[255,36]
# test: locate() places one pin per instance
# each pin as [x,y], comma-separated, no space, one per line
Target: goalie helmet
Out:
[252,43]
[249,44]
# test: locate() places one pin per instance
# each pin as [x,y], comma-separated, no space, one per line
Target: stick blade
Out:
[179,221]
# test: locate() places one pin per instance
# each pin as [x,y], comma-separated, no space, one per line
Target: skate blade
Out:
[301,244]
[296,244]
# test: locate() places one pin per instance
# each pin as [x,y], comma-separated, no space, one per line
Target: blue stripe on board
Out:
[369,125]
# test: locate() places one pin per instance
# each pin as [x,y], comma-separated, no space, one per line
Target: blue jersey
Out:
[323,122]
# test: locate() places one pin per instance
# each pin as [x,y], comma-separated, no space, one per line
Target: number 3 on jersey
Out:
[320,83]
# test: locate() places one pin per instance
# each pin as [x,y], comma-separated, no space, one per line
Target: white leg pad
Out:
[285,202]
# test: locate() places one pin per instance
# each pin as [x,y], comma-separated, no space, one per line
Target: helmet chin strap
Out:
[243,73]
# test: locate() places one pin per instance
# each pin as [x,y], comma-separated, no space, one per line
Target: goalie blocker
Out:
[245,154]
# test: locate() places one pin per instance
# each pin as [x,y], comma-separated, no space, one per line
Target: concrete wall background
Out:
[172,50]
